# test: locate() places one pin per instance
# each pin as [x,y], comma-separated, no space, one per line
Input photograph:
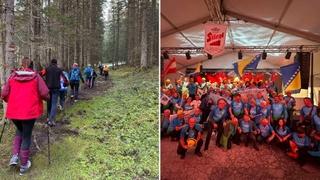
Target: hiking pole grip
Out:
[2,131]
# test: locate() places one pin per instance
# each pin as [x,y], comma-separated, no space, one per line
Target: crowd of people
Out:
[24,92]
[226,109]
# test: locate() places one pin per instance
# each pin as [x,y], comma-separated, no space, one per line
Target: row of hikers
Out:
[24,92]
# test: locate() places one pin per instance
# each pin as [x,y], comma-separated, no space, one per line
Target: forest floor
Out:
[110,133]
[239,162]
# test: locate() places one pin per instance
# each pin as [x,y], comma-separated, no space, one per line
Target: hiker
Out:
[190,137]
[88,72]
[24,92]
[101,68]
[75,76]
[53,75]
[106,72]
[63,90]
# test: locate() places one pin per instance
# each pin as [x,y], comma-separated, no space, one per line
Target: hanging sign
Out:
[215,37]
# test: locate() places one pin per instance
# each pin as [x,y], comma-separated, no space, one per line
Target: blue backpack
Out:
[75,74]
[88,71]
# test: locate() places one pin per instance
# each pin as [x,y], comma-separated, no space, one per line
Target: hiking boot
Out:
[51,123]
[14,160]
[25,163]
[25,168]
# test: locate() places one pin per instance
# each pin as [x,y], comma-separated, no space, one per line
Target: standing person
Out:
[278,111]
[216,119]
[290,103]
[306,114]
[100,66]
[88,72]
[63,90]
[106,72]
[24,92]
[75,76]
[53,75]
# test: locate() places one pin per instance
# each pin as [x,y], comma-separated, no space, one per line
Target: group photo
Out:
[239,90]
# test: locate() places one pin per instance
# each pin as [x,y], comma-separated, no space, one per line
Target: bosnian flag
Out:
[291,77]
[247,63]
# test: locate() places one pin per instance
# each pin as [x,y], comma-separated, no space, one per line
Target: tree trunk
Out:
[144,34]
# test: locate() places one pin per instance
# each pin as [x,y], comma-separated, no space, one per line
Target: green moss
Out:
[118,134]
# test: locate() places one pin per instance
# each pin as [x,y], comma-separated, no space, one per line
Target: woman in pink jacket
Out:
[24,92]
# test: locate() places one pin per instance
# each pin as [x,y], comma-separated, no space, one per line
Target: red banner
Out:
[215,37]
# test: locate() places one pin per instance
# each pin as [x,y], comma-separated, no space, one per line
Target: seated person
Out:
[165,122]
[283,134]
[176,125]
[247,130]
[265,131]
[192,132]
[197,115]
[196,103]
[300,144]
[229,132]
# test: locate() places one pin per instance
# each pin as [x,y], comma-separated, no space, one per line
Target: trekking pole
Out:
[48,136]
[49,158]
[4,125]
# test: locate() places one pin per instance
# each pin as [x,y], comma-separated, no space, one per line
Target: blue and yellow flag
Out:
[247,63]
[291,77]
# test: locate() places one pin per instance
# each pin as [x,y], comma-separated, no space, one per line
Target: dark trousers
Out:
[175,134]
[246,137]
[106,75]
[52,104]
[209,134]
[289,122]
[183,151]
[75,88]
[62,98]
[24,129]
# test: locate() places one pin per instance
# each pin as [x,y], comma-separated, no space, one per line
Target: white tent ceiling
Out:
[251,23]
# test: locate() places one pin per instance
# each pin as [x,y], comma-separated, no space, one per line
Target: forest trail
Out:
[113,123]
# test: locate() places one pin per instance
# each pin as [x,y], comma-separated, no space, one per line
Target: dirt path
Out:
[40,132]
[238,163]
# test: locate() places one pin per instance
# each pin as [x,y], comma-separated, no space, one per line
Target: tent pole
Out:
[311,64]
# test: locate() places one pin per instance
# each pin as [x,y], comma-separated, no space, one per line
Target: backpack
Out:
[75,75]
[88,71]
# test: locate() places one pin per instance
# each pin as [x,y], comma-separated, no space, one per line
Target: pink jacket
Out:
[24,92]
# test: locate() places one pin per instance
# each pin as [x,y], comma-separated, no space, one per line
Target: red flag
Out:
[199,79]
[170,67]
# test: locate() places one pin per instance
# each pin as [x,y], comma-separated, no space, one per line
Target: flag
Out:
[246,63]
[215,38]
[291,77]
[170,67]
[198,68]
